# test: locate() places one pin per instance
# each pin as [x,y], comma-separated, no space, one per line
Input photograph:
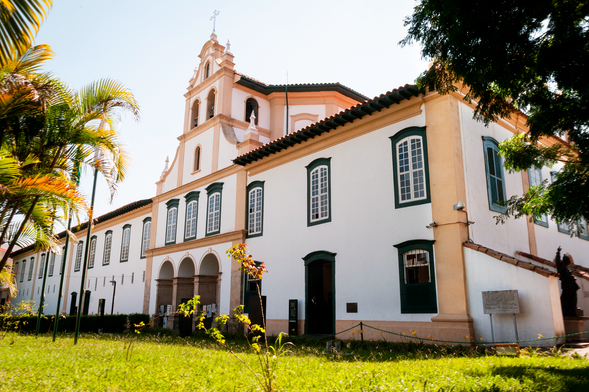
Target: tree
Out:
[19,23]
[56,129]
[529,57]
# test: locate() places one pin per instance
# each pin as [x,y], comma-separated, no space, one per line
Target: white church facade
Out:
[350,200]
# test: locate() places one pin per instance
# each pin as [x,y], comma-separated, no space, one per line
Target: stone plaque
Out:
[500,302]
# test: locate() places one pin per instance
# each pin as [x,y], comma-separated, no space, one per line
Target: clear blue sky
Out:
[152,47]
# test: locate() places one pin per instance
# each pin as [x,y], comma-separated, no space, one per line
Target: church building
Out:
[378,211]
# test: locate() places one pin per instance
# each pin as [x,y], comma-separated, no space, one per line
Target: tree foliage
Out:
[19,23]
[48,131]
[526,56]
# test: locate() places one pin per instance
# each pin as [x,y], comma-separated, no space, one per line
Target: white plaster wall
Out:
[548,239]
[511,236]
[364,227]
[171,179]
[537,310]
[205,140]
[312,109]
[238,107]
[227,152]
[129,296]
[301,124]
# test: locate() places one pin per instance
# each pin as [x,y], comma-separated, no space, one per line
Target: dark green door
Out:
[320,315]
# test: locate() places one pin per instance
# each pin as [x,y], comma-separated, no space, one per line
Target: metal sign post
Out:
[501,302]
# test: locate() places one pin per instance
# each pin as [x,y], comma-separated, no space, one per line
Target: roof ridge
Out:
[510,260]
[349,110]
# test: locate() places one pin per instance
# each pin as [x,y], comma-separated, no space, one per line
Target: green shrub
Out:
[116,323]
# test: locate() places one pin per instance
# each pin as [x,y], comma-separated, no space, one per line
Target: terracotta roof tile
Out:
[510,260]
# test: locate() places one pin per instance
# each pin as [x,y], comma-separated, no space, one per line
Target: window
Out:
[146,236]
[210,105]
[51,264]
[79,253]
[22,272]
[197,159]
[495,178]
[195,111]
[92,255]
[417,276]
[191,215]
[410,167]
[255,208]
[63,258]
[207,70]
[125,243]
[107,246]
[31,267]
[318,191]
[535,179]
[214,208]
[251,106]
[16,271]
[172,221]
[41,266]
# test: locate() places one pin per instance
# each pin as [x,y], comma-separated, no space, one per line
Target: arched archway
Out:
[164,288]
[184,291]
[210,105]
[251,106]
[207,280]
[320,292]
[194,114]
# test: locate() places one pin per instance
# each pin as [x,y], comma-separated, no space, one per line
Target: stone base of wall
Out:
[454,332]
[575,325]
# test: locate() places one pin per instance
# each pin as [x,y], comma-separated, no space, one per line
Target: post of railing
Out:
[361,332]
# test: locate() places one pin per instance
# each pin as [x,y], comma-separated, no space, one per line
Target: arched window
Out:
[318,189]
[107,246]
[197,159]
[172,221]
[255,208]
[92,256]
[207,70]
[145,237]
[251,105]
[214,208]
[410,167]
[191,215]
[78,262]
[495,177]
[41,266]
[417,276]
[126,240]
[194,115]
[211,105]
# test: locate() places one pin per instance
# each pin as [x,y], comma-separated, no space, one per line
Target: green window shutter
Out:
[417,297]
[494,175]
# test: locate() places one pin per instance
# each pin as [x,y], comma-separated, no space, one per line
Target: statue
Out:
[568,298]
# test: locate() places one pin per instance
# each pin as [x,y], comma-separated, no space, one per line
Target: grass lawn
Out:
[109,363]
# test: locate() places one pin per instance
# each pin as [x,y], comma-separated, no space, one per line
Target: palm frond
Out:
[19,23]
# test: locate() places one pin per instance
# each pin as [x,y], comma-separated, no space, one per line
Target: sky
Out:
[152,48]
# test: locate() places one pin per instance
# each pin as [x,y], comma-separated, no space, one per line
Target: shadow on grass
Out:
[548,377]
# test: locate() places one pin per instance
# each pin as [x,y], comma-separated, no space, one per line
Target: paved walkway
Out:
[581,348]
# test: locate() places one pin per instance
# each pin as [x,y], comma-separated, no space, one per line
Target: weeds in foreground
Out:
[267,355]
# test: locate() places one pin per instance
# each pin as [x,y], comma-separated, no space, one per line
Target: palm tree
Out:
[58,129]
[19,23]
